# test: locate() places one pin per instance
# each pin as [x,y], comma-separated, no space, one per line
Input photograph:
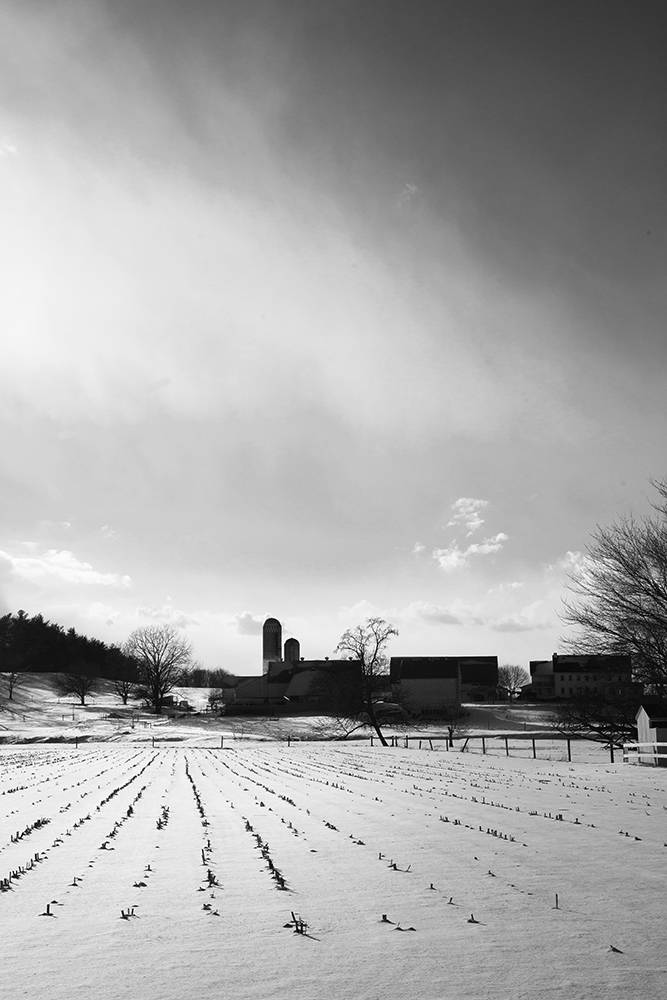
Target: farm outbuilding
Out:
[432,684]
[425,683]
[652,729]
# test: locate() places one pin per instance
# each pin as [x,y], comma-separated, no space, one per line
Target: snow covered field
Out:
[159,873]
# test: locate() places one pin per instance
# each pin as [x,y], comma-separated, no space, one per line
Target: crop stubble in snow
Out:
[174,872]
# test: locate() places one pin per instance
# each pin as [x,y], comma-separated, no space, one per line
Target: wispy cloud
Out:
[246,624]
[452,557]
[97,611]
[467,514]
[434,614]
[529,619]
[418,549]
[62,565]
[167,614]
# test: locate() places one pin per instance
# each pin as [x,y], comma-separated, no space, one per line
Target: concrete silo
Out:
[292,651]
[272,642]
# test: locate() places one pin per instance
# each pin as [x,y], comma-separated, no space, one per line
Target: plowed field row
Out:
[168,872]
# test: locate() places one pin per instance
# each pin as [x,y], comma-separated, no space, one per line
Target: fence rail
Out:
[461,744]
[634,753]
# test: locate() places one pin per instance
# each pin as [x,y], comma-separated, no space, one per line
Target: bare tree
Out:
[162,655]
[14,679]
[618,596]
[79,684]
[337,690]
[455,717]
[367,643]
[511,678]
[607,717]
[125,689]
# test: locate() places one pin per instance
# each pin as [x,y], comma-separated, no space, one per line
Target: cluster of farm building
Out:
[424,685]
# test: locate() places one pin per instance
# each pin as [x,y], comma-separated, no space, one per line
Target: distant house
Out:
[175,703]
[429,684]
[571,675]
[542,682]
[652,728]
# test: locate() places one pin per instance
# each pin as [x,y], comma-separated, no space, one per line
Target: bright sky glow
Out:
[318,310]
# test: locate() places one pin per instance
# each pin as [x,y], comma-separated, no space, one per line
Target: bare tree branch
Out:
[162,655]
[367,644]
[511,678]
[618,596]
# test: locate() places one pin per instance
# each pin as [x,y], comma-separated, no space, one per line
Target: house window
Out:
[562,690]
[570,690]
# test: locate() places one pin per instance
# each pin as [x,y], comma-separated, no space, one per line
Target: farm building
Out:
[425,683]
[652,728]
[291,686]
[567,676]
[479,678]
[428,684]
[542,682]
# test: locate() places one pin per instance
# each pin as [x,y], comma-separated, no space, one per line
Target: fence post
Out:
[569,750]
[534,751]
[483,745]
[507,749]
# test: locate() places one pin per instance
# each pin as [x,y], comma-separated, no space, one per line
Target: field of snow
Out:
[175,872]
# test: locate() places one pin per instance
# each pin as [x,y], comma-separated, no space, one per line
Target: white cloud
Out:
[408,193]
[108,532]
[418,548]
[63,565]
[452,557]
[98,610]
[361,610]
[572,562]
[433,614]
[467,514]
[493,544]
[510,585]
[167,614]
[246,624]
[530,618]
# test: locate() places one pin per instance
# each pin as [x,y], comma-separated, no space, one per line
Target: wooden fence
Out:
[645,753]
[467,742]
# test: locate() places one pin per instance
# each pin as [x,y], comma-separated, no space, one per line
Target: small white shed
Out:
[652,728]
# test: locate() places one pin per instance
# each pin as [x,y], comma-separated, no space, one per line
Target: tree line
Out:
[153,660]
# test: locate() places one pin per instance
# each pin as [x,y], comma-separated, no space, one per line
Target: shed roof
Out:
[656,714]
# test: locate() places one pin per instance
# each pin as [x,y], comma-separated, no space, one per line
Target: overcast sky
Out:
[325,308]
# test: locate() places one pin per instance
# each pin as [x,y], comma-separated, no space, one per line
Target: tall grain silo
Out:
[272,642]
[292,650]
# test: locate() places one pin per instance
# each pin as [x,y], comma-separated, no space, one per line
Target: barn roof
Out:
[423,667]
[575,663]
